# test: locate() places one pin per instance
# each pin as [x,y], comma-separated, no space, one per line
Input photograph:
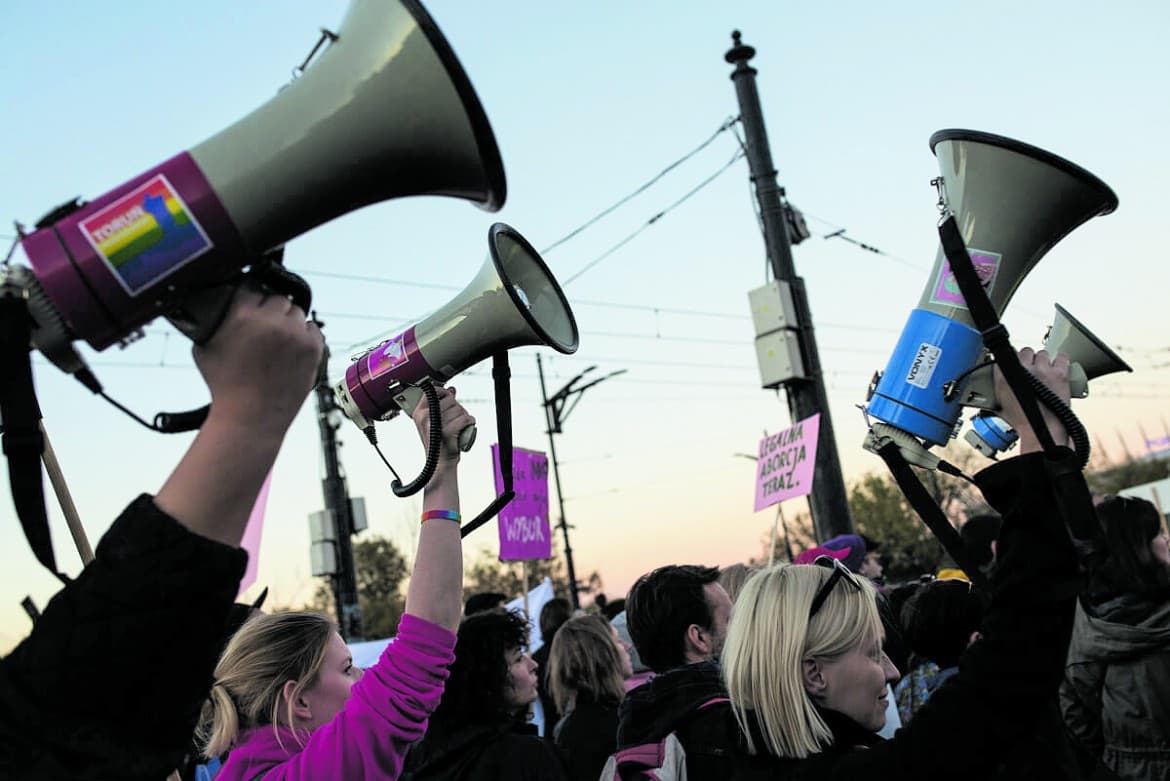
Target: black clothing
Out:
[483,752]
[110,682]
[1008,680]
[551,714]
[671,703]
[586,736]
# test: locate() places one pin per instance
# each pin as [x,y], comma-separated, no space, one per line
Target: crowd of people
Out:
[1059,669]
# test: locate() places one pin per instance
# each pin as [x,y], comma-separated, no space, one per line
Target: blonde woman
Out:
[588,666]
[288,701]
[803,660]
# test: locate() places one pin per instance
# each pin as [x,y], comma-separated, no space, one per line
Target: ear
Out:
[814,678]
[300,707]
[698,642]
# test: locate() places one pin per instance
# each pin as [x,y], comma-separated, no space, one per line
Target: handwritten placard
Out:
[524,529]
[785,466]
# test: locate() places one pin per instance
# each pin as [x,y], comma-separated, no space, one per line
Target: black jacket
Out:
[1008,680]
[672,702]
[483,752]
[586,736]
[110,682]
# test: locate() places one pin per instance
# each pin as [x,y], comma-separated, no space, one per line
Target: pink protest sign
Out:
[524,527]
[251,541]
[785,466]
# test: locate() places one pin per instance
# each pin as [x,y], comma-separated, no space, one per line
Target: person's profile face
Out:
[623,650]
[328,695]
[857,684]
[871,566]
[521,689]
[719,604]
[1160,548]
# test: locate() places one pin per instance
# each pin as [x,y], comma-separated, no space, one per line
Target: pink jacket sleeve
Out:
[386,712]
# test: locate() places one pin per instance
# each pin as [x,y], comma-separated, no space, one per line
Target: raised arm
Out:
[435,593]
[259,367]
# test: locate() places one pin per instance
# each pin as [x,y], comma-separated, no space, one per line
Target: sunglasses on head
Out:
[840,572]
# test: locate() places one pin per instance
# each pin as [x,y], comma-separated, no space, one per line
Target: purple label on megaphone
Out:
[373,379]
[102,265]
[946,287]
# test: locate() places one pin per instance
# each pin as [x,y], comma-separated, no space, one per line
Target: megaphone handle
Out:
[434,442]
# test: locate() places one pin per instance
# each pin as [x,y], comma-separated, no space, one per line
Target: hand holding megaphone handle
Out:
[434,443]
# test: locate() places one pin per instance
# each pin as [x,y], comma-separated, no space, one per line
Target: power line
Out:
[738,155]
[727,124]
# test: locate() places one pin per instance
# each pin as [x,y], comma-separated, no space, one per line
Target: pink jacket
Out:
[386,712]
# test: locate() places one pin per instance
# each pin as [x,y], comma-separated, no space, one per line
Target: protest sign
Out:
[784,469]
[523,523]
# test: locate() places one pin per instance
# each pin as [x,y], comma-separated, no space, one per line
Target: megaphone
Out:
[513,301]
[1088,356]
[1012,203]
[385,111]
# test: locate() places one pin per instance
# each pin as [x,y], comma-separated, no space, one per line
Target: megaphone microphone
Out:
[1089,358]
[385,111]
[513,301]
[1012,202]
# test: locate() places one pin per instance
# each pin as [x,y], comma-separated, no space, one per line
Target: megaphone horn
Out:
[385,111]
[513,301]
[1012,202]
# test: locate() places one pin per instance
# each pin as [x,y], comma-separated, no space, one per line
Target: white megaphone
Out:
[385,111]
[513,301]
[1088,357]
[1012,203]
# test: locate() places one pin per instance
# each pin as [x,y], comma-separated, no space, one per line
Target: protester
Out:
[485,600]
[803,660]
[91,692]
[287,699]
[553,615]
[979,534]
[940,621]
[640,673]
[677,617]
[1115,691]
[480,730]
[863,558]
[732,579]
[588,667]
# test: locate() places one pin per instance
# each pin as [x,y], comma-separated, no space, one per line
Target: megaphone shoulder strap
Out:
[23,442]
[995,335]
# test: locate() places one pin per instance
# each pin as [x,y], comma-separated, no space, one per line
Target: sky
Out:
[588,102]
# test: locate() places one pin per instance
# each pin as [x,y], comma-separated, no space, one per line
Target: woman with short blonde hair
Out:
[803,660]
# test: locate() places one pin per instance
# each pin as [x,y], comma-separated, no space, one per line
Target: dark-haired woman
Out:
[1116,691]
[480,731]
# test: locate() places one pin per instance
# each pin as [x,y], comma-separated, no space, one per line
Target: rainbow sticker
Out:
[146,235]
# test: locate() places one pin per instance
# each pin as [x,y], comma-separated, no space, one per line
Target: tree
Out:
[381,570]
[1112,478]
[487,573]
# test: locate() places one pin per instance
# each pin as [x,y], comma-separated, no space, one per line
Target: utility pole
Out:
[806,393]
[555,415]
[337,505]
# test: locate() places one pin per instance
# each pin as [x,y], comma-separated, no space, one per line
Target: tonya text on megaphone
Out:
[1012,202]
[383,110]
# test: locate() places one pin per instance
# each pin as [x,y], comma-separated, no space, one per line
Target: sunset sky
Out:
[588,102]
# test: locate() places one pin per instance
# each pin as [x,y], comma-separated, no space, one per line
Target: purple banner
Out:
[524,529]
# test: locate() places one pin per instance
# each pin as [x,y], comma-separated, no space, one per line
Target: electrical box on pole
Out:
[777,334]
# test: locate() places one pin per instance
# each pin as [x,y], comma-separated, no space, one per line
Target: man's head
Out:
[678,615]
[979,534]
[484,600]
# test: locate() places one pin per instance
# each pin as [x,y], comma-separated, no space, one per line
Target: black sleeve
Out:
[1008,678]
[110,682]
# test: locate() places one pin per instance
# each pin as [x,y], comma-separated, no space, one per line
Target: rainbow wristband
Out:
[449,515]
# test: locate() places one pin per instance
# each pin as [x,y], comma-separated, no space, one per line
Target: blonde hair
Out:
[769,637]
[733,578]
[267,652]
[584,658]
